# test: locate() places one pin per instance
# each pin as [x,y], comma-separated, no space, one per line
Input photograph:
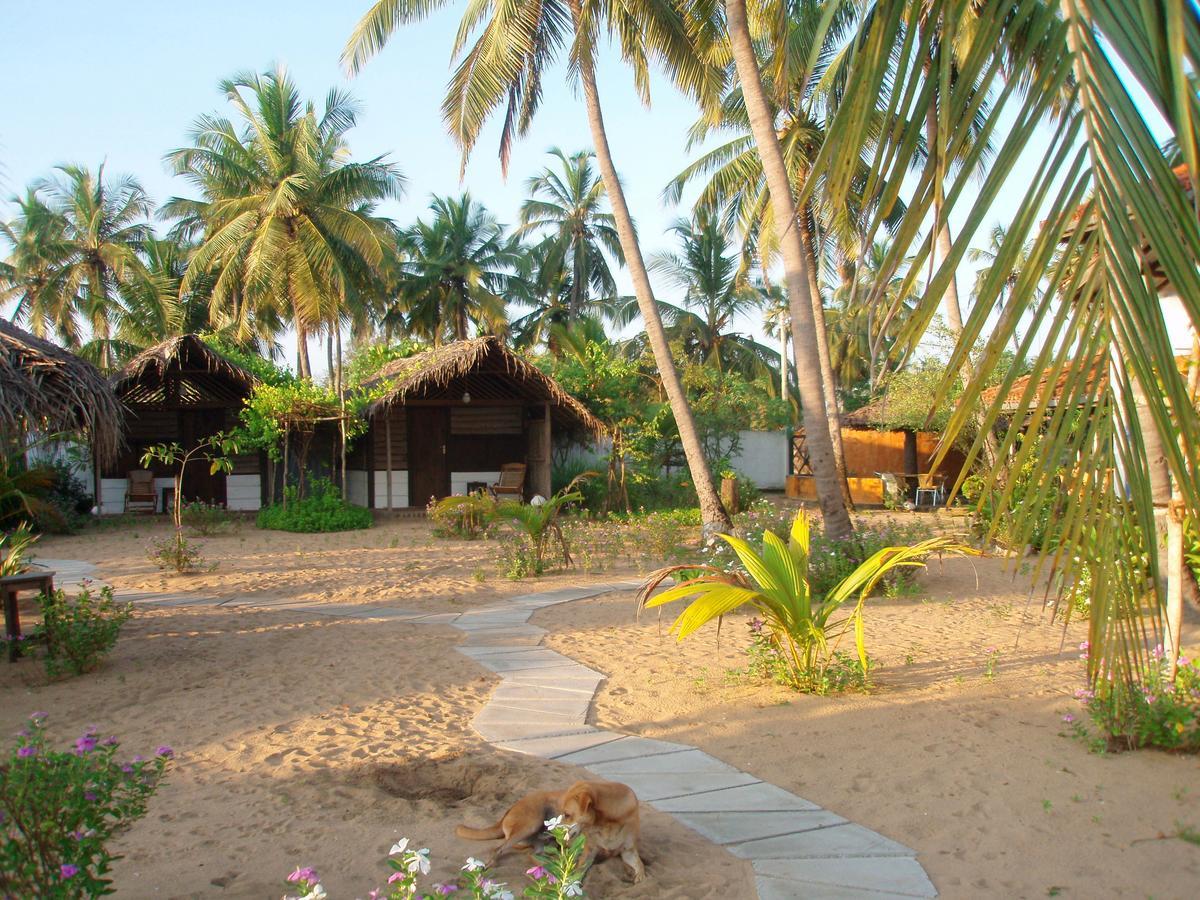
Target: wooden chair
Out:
[139,494]
[511,483]
[893,492]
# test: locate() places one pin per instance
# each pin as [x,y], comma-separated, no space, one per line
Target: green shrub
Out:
[176,552]
[466,517]
[68,499]
[803,629]
[60,808]
[207,518]
[79,632]
[322,510]
[14,549]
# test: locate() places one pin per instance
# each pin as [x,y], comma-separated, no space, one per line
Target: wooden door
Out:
[428,435]
[199,482]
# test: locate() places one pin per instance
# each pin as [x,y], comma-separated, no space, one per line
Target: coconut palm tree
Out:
[716,291]
[505,65]
[457,271]
[1110,223]
[568,206]
[95,255]
[287,220]
[30,276]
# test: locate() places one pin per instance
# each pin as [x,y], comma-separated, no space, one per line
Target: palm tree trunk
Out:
[833,415]
[804,338]
[712,513]
[303,366]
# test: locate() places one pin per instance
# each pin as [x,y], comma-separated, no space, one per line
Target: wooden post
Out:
[539,481]
[387,439]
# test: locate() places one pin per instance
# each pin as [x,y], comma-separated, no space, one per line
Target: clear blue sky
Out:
[121,82]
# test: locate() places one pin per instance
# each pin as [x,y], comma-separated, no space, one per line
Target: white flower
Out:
[551,824]
[399,847]
[473,865]
[574,889]
[418,860]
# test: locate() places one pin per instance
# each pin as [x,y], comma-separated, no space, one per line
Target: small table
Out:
[10,586]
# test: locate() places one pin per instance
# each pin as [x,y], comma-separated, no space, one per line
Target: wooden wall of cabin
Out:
[146,426]
[869,451]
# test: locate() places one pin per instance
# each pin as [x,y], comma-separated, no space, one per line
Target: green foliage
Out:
[67,497]
[14,547]
[218,450]
[465,517]
[323,509]
[79,632]
[800,626]
[1159,712]
[207,518]
[255,363]
[538,526]
[1039,523]
[367,359]
[60,809]
[23,491]
[177,553]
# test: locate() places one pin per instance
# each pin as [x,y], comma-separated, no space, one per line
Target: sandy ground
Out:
[976,773]
[316,741]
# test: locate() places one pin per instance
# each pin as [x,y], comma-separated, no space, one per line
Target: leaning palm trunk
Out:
[804,338]
[712,512]
[833,414]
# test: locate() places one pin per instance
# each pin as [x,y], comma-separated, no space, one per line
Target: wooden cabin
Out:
[182,391]
[450,417]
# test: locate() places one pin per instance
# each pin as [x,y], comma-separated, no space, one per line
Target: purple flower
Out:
[306,874]
[38,716]
[445,888]
[165,752]
[85,744]
[1157,652]
[24,732]
[66,870]
[90,731]
[127,769]
[89,796]
[1068,718]
[26,752]
[139,758]
[110,741]
[396,876]
[537,872]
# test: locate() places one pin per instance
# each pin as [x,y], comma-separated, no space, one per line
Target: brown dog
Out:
[606,812]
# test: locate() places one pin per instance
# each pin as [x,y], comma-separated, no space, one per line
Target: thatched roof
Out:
[488,370]
[43,386]
[873,415]
[199,375]
[1098,371]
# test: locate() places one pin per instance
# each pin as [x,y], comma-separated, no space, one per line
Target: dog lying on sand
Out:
[606,812]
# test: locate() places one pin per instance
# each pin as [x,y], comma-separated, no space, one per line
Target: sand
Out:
[306,740]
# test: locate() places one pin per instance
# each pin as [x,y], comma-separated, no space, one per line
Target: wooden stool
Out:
[10,586]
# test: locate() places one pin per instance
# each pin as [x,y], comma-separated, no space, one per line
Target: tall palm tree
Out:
[1110,223]
[96,254]
[716,291]
[456,273]
[30,274]
[505,66]
[287,220]
[798,276]
[568,205]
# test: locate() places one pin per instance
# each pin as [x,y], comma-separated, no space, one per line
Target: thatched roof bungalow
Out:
[448,418]
[46,388]
[182,390]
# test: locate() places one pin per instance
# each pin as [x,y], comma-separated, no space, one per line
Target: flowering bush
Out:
[1161,713]
[79,632]
[58,808]
[556,875]
[178,553]
[207,518]
[462,516]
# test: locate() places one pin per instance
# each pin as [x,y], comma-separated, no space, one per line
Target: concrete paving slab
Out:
[556,721]
[746,798]
[736,827]
[556,746]
[848,840]
[507,731]
[628,747]
[656,786]
[580,684]
[687,761]
[550,664]
[902,876]
[516,693]
[769,888]
[532,708]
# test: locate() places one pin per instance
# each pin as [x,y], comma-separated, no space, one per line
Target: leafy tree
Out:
[287,220]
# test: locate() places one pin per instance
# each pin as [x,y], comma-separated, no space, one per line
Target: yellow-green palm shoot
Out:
[803,629]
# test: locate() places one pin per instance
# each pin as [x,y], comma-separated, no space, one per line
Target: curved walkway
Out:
[797,849]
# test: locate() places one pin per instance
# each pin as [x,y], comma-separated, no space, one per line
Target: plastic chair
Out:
[929,485]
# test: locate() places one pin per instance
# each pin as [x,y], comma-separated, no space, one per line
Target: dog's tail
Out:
[480,834]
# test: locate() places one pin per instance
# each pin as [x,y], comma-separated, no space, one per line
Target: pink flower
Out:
[66,870]
[26,752]
[1068,718]
[164,751]
[537,872]
[396,876]
[308,874]
[445,888]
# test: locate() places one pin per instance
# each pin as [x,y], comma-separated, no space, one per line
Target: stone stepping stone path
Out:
[796,848]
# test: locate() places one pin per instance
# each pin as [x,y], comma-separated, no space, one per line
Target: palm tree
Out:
[567,205]
[96,255]
[30,275]
[288,222]
[798,275]
[988,255]
[1109,222]
[716,290]
[457,271]
[505,66]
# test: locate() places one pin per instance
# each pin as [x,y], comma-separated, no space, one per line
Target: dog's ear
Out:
[586,800]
